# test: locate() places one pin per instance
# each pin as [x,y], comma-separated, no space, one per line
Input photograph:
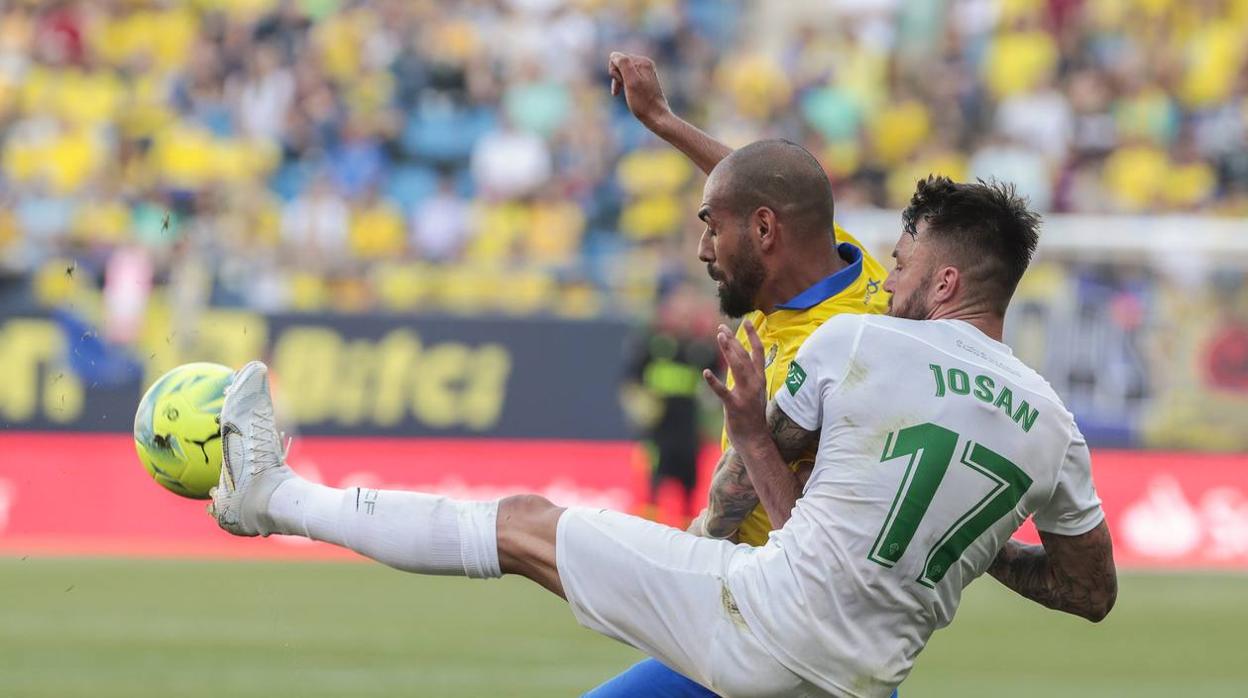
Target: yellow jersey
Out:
[858,288]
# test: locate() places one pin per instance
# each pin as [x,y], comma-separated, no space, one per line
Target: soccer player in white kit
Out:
[934,444]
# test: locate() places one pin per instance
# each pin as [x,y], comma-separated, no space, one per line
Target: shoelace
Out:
[265,443]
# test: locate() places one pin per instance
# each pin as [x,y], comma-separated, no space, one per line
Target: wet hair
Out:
[985,228]
[784,177]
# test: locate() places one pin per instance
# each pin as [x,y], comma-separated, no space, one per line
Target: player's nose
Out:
[706,251]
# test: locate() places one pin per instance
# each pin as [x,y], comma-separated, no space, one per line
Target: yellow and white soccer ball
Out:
[177,430]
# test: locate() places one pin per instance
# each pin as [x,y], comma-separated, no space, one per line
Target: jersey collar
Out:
[830,285]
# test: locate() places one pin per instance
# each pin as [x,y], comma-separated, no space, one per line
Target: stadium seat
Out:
[445,135]
[411,184]
[290,179]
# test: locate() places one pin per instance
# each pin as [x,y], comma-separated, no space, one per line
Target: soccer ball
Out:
[177,430]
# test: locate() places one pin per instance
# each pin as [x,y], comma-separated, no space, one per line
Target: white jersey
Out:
[936,444]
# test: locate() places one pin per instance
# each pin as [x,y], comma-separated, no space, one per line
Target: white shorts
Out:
[663,591]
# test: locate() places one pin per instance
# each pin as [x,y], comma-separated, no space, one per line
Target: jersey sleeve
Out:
[1074,508]
[818,368]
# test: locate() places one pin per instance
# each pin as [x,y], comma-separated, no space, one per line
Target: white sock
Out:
[409,531]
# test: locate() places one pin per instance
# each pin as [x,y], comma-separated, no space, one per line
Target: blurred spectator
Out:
[485,129]
[357,161]
[1041,120]
[315,225]
[440,224]
[1009,161]
[264,95]
[377,230]
[509,163]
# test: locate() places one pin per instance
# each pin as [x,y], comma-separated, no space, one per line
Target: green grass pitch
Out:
[74,627]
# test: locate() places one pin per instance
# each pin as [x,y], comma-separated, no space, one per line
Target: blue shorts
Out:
[652,678]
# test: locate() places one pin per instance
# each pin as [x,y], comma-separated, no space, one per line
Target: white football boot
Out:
[254,463]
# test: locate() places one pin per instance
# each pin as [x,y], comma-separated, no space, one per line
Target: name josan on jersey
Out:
[936,444]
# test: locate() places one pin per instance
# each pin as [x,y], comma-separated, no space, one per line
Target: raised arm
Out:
[1075,574]
[636,77]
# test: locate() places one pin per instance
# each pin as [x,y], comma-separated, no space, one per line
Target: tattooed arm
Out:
[764,440]
[733,494]
[1074,574]
[731,498]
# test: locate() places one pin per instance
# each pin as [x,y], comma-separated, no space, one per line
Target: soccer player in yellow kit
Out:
[785,297]
[784,314]
[856,288]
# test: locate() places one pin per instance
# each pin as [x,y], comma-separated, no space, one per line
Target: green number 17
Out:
[931,448]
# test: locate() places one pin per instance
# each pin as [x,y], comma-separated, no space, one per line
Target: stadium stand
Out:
[466,157]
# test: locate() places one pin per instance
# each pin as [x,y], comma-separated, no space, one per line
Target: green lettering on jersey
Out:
[930,450]
[1006,401]
[984,386]
[955,381]
[1026,416]
[959,382]
[939,373]
[793,381]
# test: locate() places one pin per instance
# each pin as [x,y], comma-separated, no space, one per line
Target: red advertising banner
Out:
[87,494]
[1175,510]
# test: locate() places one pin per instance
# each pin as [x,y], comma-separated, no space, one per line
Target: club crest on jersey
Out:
[873,287]
[793,381]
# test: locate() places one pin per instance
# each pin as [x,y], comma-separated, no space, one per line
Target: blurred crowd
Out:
[466,156]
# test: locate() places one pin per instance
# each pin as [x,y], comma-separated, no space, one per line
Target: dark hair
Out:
[784,177]
[985,227]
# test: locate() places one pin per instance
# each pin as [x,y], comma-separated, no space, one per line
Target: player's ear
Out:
[948,280]
[764,225]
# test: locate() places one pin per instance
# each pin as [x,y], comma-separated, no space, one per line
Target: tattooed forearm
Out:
[768,463]
[790,438]
[1075,574]
[733,494]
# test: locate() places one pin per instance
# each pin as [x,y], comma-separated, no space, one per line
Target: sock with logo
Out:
[410,531]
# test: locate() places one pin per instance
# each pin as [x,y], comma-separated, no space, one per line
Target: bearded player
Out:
[786,296]
[786,292]
[934,445]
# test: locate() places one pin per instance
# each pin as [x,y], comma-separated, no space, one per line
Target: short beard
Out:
[737,297]
[915,307]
